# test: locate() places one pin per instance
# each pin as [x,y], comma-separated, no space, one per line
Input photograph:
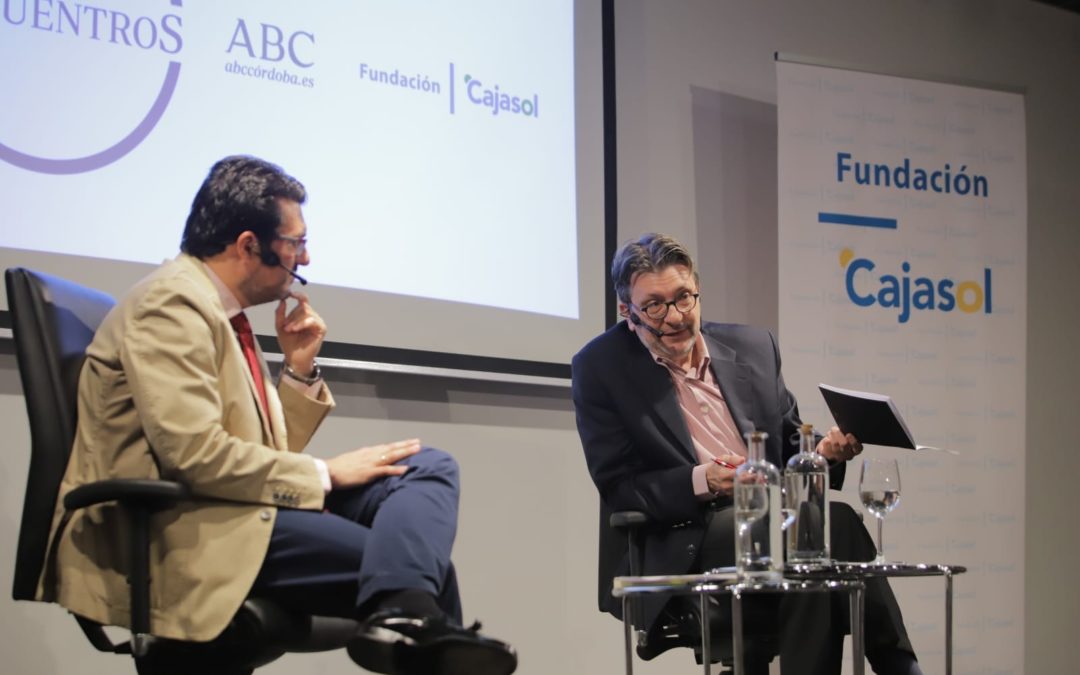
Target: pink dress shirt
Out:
[712,428]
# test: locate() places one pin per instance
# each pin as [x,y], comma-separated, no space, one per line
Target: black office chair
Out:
[680,623]
[53,322]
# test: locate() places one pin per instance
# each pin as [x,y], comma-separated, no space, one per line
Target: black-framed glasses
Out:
[684,302]
[299,244]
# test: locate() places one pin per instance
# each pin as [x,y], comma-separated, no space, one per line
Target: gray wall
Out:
[526,547]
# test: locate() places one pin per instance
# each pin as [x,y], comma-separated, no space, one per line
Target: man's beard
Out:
[260,294]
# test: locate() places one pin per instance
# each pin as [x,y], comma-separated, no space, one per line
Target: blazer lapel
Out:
[653,382]
[734,381]
[274,427]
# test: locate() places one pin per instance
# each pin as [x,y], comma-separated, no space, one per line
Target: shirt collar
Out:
[228,300]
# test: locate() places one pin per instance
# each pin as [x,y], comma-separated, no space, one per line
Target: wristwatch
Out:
[316,374]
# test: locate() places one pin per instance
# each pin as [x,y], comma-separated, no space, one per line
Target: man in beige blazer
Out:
[170,389]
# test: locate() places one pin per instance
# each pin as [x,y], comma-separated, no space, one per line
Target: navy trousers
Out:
[392,534]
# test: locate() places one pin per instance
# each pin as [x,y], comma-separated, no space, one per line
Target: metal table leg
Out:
[737,631]
[948,621]
[706,633]
[858,641]
[626,635]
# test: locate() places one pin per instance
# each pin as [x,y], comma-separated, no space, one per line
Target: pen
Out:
[726,465]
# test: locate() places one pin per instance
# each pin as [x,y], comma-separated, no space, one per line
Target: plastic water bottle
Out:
[758,549]
[806,498]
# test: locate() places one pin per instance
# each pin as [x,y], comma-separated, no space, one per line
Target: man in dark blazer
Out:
[658,397]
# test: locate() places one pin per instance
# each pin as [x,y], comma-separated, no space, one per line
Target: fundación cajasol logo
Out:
[906,294]
[471,92]
[499,101]
[65,20]
[901,290]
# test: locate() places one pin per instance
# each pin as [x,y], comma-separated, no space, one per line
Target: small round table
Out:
[867,570]
[727,581]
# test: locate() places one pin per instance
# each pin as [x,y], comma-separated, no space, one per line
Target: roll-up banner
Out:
[903,266]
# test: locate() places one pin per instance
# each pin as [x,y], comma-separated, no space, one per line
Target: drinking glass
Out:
[879,489]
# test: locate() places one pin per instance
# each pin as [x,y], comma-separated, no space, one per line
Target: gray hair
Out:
[652,252]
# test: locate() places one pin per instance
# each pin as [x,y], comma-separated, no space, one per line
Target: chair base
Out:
[260,633]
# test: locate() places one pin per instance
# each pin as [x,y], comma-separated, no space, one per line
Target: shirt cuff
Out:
[700,481]
[324,474]
[310,390]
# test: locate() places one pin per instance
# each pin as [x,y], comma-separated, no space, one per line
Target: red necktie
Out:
[242,327]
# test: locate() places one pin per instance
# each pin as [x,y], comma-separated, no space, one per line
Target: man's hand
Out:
[721,476]
[300,333]
[363,465]
[836,447]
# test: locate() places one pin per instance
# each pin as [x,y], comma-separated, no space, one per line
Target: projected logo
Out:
[61,20]
[499,101]
[492,97]
[905,294]
[272,51]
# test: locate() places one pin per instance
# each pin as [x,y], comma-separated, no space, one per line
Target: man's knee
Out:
[432,462]
[850,539]
[718,545]
[842,513]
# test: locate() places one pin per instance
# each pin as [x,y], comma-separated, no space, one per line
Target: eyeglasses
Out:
[299,243]
[684,302]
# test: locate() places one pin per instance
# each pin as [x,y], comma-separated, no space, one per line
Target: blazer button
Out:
[265,514]
[691,550]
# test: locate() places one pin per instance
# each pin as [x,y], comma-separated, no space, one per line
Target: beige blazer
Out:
[166,392]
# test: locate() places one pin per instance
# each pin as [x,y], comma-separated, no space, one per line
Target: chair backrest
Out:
[53,322]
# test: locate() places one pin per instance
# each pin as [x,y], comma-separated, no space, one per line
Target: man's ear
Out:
[247,243]
[624,312]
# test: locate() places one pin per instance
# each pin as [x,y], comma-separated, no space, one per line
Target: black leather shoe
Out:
[397,643]
[679,625]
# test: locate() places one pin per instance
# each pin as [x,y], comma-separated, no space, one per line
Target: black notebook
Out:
[872,418]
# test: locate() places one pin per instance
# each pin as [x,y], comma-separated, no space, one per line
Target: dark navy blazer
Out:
[638,447]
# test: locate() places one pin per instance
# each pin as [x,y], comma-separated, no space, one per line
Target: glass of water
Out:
[879,489]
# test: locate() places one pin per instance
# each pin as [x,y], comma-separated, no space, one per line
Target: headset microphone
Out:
[302,280]
[636,320]
[268,257]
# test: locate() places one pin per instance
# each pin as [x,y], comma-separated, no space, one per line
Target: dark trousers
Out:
[810,627]
[392,534]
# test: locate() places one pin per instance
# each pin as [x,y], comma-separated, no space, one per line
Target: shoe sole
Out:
[451,656]
[375,651]
[448,656]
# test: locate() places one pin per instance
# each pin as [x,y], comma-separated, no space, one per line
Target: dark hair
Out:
[651,253]
[240,193]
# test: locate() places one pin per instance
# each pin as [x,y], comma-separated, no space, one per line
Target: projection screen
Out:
[452,154]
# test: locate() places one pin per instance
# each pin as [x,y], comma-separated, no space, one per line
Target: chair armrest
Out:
[138,498]
[147,493]
[624,519]
[631,524]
